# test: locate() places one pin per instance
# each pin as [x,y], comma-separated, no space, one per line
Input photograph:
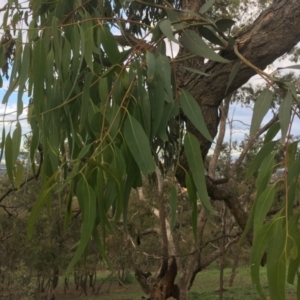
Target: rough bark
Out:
[275,32]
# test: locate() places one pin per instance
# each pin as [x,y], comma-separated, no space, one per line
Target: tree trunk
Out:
[275,32]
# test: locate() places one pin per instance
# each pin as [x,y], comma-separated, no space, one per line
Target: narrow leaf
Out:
[197,71]
[150,60]
[258,249]
[272,132]
[192,110]
[263,206]
[87,198]
[258,159]
[285,114]
[261,107]
[194,158]
[232,74]
[192,192]
[166,28]
[206,6]
[138,145]
[194,43]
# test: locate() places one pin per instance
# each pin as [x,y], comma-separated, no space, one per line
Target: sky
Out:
[237,112]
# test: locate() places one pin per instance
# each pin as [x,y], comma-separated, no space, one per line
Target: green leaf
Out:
[276,262]
[110,45]
[224,24]
[163,68]
[263,206]
[171,110]
[85,100]
[192,110]
[206,6]
[150,60]
[194,43]
[44,196]
[173,206]
[232,75]
[57,43]
[192,192]
[209,34]
[258,159]
[194,158]
[89,47]
[138,145]
[166,28]
[197,71]
[87,199]
[42,199]
[16,142]
[18,175]
[2,143]
[156,97]
[265,169]
[259,246]
[261,107]
[273,130]
[285,114]
[38,78]
[9,158]
[297,67]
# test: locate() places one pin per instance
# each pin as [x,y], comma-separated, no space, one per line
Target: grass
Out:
[203,288]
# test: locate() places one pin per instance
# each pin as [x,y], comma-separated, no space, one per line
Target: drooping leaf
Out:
[87,199]
[263,206]
[224,24]
[272,132]
[192,192]
[259,246]
[258,159]
[192,110]
[209,33]
[9,158]
[194,43]
[89,47]
[163,68]
[197,71]
[232,74]
[266,169]
[138,145]
[38,78]
[166,28]
[194,158]
[285,114]
[297,67]
[156,97]
[18,175]
[206,6]
[261,107]
[110,45]
[170,110]
[276,262]
[150,59]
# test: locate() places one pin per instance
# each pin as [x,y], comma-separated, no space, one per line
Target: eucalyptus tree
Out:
[108,104]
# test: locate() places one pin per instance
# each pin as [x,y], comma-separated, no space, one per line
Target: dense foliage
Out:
[108,107]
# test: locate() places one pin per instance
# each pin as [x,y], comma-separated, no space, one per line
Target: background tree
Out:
[124,108]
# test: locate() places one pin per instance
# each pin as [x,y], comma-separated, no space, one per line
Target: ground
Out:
[204,288]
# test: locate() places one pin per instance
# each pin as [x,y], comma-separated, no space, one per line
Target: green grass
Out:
[203,288]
